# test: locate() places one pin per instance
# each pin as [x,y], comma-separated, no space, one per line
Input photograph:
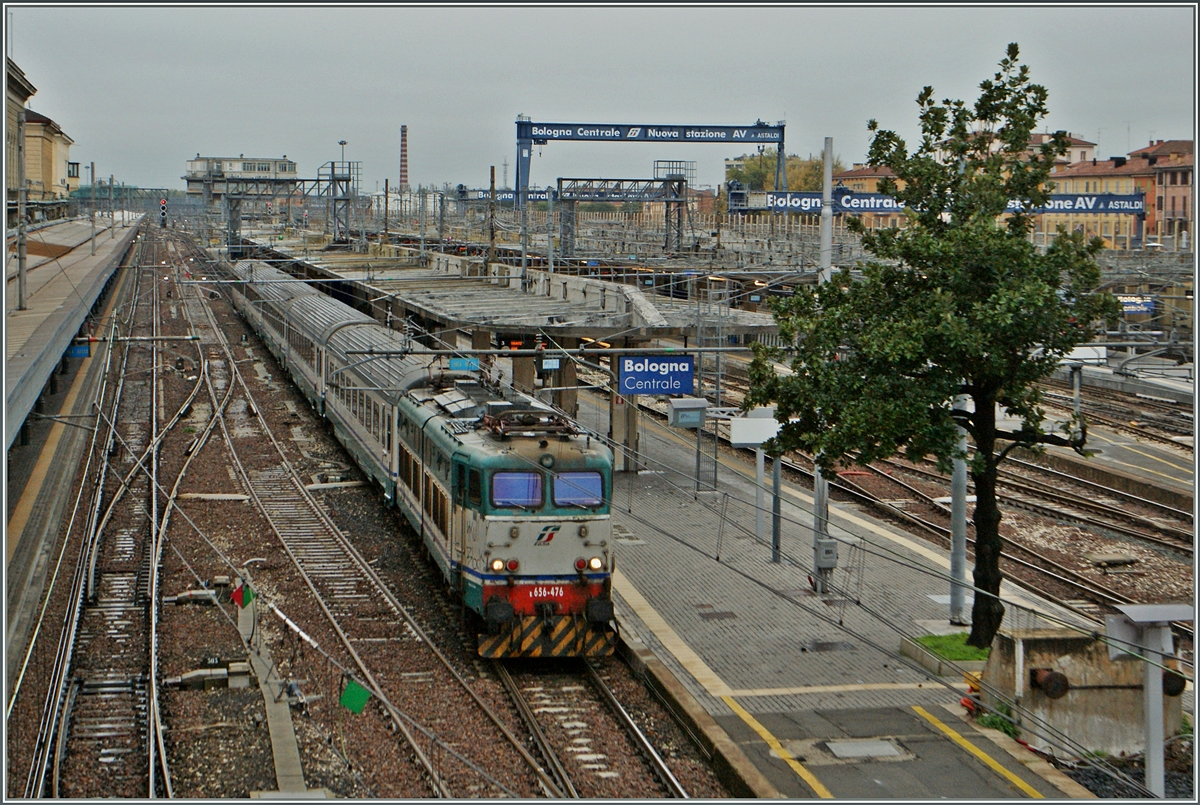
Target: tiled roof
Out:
[1162,148]
[1103,167]
[1185,161]
[867,172]
[1037,138]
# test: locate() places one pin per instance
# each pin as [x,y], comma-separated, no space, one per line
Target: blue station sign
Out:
[507,195]
[545,132]
[1136,304]
[846,202]
[464,364]
[655,374]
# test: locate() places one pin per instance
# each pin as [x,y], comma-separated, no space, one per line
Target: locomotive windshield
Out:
[517,489]
[578,489]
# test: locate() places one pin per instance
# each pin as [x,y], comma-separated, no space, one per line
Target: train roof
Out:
[456,395]
[272,284]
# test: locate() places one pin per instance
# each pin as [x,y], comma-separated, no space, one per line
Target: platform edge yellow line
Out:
[991,762]
[773,742]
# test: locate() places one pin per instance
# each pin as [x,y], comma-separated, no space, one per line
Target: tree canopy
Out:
[758,171]
[958,302]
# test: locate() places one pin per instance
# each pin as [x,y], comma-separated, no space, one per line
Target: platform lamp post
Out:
[824,549]
[958,525]
[92,207]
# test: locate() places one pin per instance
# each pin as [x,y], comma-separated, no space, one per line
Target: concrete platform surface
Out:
[810,689]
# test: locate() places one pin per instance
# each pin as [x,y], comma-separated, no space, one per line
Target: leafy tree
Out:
[965,304]
[758,171]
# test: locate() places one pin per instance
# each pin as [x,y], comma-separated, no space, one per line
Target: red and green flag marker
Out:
[243,595]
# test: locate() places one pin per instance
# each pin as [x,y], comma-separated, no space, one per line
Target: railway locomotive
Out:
[510,499]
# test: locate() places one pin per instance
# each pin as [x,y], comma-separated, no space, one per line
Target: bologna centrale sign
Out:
[656,374]
[847,202]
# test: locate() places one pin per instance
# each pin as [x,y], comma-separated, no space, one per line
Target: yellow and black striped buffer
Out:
[559,636]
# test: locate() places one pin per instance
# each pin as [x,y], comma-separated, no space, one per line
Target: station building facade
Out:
[50,176]
[48,167]
[19,89]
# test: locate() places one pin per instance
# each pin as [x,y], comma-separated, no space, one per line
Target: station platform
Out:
[809,689]
[63,281]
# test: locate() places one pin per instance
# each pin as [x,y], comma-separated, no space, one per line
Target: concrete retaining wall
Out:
[1103,709]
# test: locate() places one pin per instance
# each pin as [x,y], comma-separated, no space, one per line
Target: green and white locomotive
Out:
[510,498]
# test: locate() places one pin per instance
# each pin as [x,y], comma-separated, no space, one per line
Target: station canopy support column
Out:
[623,423]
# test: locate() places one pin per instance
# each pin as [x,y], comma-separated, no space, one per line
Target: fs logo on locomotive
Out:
[547,534]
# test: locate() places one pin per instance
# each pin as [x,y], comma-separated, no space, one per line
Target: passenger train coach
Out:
[509,497]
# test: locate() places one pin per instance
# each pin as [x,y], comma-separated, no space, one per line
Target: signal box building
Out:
[208,177]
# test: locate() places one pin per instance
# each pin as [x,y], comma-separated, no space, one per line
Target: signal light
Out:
[512,565]
[581,564]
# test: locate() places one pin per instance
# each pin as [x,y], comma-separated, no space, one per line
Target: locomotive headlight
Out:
[595,563]
[497,565]
[546,460]
[583,531]
[514,532]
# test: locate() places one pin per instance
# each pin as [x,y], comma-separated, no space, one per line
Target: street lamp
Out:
[342,143]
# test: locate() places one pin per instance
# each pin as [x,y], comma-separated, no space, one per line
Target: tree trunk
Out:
[987,612]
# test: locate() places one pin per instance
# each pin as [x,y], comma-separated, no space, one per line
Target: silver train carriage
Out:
[510,499]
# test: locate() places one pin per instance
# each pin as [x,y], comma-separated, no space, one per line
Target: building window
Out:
[72,170]
[264,166]
[247,167]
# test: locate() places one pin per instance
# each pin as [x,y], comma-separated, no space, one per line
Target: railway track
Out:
[570,709]
[98,731]
[1047,500]
[1156,420]
[462,738]
[365,618]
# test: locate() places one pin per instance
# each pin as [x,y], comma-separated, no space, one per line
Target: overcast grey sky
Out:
[142,89]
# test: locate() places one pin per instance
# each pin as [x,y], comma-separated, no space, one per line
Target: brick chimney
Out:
[403,158]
